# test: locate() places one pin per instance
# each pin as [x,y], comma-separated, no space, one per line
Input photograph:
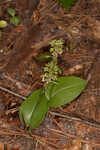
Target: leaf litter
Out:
[18,66]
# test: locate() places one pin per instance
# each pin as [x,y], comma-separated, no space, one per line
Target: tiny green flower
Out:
[56,47]
[51,70]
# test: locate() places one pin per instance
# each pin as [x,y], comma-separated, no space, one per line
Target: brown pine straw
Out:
[66,135]
[4,131]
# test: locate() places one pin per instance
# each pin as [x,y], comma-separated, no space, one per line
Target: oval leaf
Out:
[33,109]
[11,12]
[39,113]
[3,24]
[66,3]
[15,20]
[66,89]
[28,106]
[44,57]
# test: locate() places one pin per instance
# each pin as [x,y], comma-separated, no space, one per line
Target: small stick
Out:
[94,124]
[11,92]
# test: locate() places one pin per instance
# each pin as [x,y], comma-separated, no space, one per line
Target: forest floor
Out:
[72,127]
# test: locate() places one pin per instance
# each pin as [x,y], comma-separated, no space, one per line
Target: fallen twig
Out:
[11,92]
[88,122]
[94,124]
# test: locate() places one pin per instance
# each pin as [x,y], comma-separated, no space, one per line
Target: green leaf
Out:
[15,20]
[28,106]
[44,57]
[0,34]
[66,89]
[39,113]
[3,24]
[11,12]
[66,3]
[33,109]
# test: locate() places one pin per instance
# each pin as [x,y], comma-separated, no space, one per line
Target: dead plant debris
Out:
[72,127]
